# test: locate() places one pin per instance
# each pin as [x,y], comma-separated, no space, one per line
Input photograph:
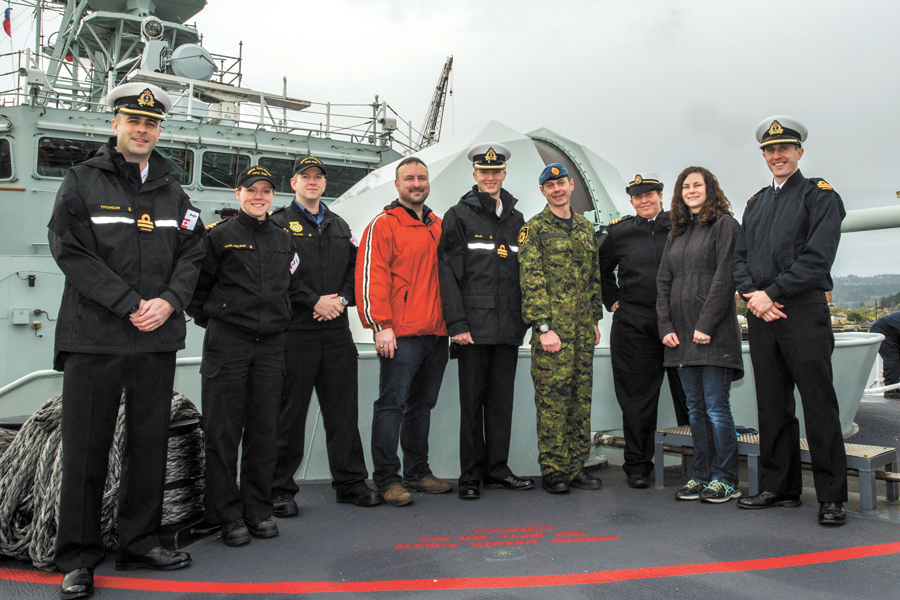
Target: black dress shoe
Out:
[360,495]
[77,584]
[158,559]
[555,483]
[637,481]
[264,528]
[585,481]
[469,491]
[235,533]
[768,500]
[284,506]
[832,513]
[510,483]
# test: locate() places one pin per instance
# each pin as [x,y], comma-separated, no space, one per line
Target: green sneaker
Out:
[718,492]
[690,491]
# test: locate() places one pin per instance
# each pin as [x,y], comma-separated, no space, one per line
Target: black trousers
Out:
[889,351]
[637,354]
[242,381]
[788,352]
[487,375]
[92,390]
[324,360]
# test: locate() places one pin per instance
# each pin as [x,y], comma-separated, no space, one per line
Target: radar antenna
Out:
[431,128]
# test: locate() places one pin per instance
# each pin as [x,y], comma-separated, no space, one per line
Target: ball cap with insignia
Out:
[781,129]
[552,171]
[489,155]
[307,162]
[642,183]
[142,99]
[251,175]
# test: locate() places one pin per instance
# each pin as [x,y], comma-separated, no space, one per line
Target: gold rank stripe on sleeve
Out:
[824,185]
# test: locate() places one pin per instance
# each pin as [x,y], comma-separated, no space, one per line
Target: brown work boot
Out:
[430,485]
[396,495]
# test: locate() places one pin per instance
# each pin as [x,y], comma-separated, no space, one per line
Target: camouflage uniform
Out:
[560,277]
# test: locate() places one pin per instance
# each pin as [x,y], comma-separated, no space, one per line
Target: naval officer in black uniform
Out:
[634,244]
[320,352]
[130,244]
[481,297]
[782,266]
[243,300]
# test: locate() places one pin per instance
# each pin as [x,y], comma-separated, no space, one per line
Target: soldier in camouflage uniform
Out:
[560,278]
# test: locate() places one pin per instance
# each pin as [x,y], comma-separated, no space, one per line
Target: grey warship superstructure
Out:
[57,116]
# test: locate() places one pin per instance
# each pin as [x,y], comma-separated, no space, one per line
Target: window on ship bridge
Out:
[219,169]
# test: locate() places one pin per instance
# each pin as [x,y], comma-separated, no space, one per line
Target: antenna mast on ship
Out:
[431,128]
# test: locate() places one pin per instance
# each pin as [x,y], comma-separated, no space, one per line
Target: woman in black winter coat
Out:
[697,321]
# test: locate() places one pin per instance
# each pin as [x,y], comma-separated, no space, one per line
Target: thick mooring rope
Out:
[31,470]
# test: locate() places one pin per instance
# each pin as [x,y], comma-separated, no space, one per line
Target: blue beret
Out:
[552,171]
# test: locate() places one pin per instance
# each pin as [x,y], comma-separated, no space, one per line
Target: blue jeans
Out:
[707,389]
[408,389]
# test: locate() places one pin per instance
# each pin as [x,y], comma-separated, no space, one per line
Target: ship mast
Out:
[431,128]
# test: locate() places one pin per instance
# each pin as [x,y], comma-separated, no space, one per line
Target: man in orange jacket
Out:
[399,299]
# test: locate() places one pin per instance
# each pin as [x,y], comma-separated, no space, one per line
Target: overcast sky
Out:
[648,85]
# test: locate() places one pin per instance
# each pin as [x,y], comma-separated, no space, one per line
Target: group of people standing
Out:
[272,289]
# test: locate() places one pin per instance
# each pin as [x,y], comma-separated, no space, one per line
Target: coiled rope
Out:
[31,471]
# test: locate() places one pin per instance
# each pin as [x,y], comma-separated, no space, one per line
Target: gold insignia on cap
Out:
[776,128]
[311,159]
[554,170]
[490,155]
[259,171]
[146,98]
[637,179]
[296,226]
[145,223]
[523,234]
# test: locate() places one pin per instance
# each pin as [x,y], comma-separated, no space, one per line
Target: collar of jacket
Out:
[792,181]
[107,158]
[400,211]
[251,223]
[548,216]
[662,221]
[302,210]
[488,204]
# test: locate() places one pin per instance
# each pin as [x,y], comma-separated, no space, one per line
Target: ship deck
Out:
[615,542]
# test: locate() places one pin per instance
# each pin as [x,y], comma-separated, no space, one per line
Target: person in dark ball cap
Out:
[782,266]
[634,245]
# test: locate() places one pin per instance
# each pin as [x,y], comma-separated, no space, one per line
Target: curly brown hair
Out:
[715,206]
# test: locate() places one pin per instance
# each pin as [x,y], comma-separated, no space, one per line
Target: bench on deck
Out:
[865,459]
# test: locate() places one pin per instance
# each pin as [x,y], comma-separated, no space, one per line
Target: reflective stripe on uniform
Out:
[108,220]
[167,223]
[481,246]
[514,248]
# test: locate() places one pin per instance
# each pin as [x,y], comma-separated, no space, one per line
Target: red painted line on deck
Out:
[463,583]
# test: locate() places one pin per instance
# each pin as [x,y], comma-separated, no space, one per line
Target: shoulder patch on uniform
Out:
[523,234]
[213,224]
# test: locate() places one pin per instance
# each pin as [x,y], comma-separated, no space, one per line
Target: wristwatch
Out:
[344,301]
[544,328]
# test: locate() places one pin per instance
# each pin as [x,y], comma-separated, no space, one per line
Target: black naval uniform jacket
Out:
[248,277]
[117,241]
[788,241]
[634,245]
[327,265]
[479,269]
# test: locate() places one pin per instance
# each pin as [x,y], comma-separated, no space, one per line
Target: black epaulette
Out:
[213,224]
[758,193]
[821,183]
[277,210]
[620,219]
